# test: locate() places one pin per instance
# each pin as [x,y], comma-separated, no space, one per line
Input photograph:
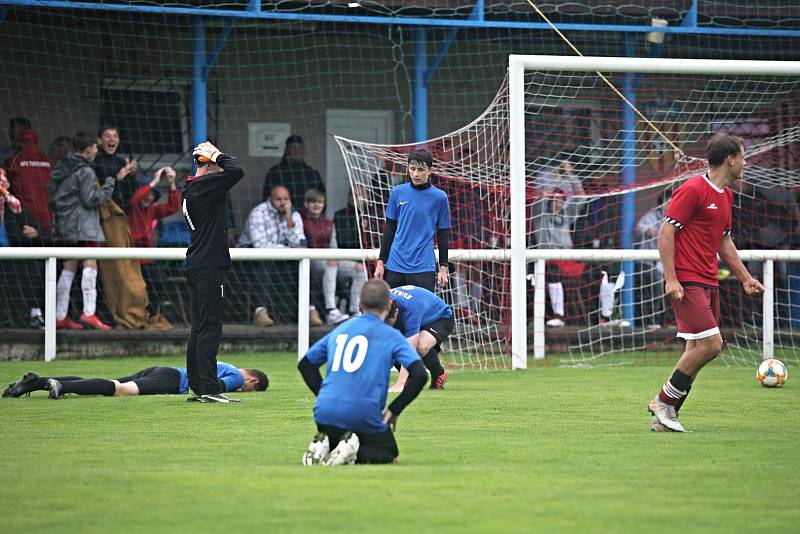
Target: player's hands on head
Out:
[205,152]
[674,290]
[752,287]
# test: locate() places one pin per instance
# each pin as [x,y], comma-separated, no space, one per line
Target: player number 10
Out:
[357,344]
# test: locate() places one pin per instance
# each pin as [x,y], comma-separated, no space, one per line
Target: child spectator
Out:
[143,219]
[319,234]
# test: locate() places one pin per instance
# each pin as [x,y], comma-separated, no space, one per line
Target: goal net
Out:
[599,177]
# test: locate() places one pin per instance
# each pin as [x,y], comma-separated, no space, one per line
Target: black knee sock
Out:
[89,386]
[682,399]
[432,363]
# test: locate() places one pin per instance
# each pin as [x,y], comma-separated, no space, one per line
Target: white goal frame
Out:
[517,65]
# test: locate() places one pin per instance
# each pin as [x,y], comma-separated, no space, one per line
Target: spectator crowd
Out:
[82,192]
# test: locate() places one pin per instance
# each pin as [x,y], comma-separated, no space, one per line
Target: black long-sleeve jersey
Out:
[205,210]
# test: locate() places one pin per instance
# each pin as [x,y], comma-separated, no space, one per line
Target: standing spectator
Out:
[319,232]
[108,163]
[415,213]
[274,224]
[699,227]
[348,235]
[76,198]
[554,230]
[27,276]
[650,273]
[144,215]
[15,126]
[293,173]
[60,148]
[29,173]
[207,259]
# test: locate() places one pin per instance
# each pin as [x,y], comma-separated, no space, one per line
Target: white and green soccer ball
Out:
[772,373]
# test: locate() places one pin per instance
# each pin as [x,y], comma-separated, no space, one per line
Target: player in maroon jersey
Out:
[698,227]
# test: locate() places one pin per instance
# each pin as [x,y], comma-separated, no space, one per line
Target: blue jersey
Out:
[418,307]
[359,354]
[419,214]
[230,375]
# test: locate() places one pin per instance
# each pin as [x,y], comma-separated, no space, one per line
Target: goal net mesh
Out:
[577,187]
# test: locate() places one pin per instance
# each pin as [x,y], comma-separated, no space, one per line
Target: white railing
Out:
[303,256]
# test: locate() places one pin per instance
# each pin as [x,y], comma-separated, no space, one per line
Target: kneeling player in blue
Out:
[426,321]
[352,425]
[150,381]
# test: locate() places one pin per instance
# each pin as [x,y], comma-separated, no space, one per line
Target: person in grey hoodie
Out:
[75,197]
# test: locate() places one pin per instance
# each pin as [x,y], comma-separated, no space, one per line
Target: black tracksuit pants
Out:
[206,297]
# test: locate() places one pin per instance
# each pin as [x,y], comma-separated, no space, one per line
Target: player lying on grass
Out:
[426,321]
[352,425]
[150,381]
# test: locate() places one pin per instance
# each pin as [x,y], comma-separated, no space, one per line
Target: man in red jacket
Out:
[29,172]
[143,218]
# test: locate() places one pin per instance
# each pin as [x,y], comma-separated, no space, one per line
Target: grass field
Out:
[548,449]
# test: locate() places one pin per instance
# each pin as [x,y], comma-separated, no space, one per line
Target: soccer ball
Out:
[772,373]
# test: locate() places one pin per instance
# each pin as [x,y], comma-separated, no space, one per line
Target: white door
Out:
[360,125]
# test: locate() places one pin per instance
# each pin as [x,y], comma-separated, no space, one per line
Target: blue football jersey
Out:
[359,354]
[230,375]
[419,214]
[417,307]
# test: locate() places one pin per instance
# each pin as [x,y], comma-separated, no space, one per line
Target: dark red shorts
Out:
[697,314]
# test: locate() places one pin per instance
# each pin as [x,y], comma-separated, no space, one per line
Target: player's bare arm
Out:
[666,250]
[730,255]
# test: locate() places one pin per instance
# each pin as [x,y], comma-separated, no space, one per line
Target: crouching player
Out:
[426,321]
[352,425]
[150,381]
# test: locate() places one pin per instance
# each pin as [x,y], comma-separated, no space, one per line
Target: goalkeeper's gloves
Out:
[205,152]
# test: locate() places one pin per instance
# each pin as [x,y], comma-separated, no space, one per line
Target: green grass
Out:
[548,449]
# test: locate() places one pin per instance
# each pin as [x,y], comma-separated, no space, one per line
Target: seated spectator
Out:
[76,199]
[29,173]
[26,277]
[274,224]
[554,231]
[293,173]
[347,234]
[320,234]
[143,217]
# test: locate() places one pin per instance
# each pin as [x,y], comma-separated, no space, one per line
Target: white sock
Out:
[606,299]
[62,293]
[329,286]
[359,279]
[556,292]
[89,288]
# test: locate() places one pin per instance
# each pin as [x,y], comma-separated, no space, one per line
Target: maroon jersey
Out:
[702,213]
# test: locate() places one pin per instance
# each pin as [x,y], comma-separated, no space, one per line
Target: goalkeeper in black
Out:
[204,206]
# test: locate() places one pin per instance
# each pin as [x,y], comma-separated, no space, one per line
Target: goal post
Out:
[518,65]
